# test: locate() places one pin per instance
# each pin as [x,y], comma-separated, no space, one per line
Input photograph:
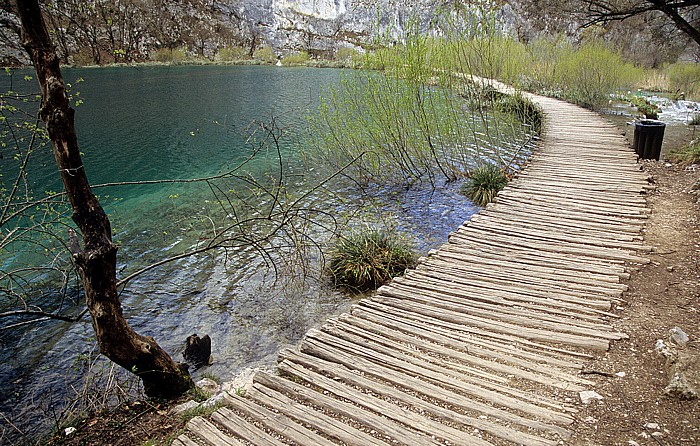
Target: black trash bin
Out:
[648,137]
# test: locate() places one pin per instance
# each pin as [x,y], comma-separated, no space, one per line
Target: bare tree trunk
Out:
[96,261]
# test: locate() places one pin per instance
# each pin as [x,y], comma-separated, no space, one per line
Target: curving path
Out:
[484,342]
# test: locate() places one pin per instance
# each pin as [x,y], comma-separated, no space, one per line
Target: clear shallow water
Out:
[185,122]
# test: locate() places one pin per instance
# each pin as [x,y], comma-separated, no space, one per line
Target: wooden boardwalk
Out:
[485,341]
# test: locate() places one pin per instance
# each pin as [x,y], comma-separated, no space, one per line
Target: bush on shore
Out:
[366,260]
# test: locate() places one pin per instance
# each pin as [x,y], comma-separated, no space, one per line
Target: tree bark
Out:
[96,261]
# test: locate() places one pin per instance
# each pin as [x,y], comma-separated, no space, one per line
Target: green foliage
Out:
[419,119]
[232,53]
[348,57]
[265,54]
[687,155]
[484,183]
[170,55]
[365,260]
[586,74]
[684,77]
[644,107]
[295,59]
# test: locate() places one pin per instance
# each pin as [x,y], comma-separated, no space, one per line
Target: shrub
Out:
[695,120]
[265,54]
[687,155]
[232,53]
[684,77]
[300,58]
[366,260]
[169,55]
[484,183]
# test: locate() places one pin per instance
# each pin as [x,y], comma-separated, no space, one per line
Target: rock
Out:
[589,395]
[208,386]
[679,387]
[184,407]
[678,337]
[632,443]
[241,383]
[620,374]
[662,349]
[198,351]
[214,400]
[69,431]
[651,426]
[657,435]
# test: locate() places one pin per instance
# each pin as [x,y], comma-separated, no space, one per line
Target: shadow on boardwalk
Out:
[483,343]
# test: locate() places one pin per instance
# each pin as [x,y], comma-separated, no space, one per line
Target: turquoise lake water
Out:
[187,122]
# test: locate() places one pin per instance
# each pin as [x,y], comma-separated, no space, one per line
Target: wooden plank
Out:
[454,299]
[212,436]
[332,427]
[387,429]
[371,403]
[507,352]
[184,440]
[445,360]
[324,351]
[494,325]
[276,422]
[399,356]
[461,332]
[343,374]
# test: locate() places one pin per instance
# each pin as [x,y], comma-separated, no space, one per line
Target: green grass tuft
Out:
[484,183]
[366,260]
[687,155]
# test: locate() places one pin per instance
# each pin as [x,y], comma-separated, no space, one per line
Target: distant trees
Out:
[103,31]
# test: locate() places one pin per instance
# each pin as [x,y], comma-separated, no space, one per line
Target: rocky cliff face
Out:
[320,26]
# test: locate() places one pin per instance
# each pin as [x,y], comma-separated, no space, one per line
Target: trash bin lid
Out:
[651,123]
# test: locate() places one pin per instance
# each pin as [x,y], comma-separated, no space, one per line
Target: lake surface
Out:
[187,122]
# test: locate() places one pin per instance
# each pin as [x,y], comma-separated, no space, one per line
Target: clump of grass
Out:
[484,183]
[695,120]
[365,260]
[687,155]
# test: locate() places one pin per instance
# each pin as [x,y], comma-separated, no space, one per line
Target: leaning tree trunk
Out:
[96,260]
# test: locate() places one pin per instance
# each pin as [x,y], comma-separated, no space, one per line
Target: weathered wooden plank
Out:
[525,300]
[503,351]
[211,434]
[274,421]
[184,440]
[444,359]
[470,233]
[384,426]
[494,325]
[392,411]
[269,390]
[454,299]
[319,349]
[461,332]
[342,373]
